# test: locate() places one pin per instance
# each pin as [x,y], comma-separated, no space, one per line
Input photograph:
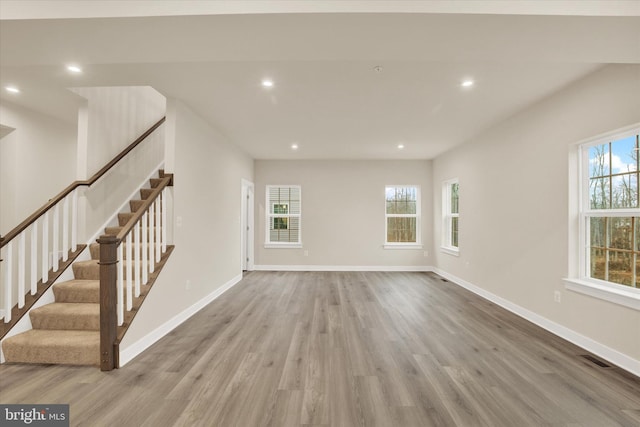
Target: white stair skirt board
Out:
[399,268]
[129,353]
[619,359]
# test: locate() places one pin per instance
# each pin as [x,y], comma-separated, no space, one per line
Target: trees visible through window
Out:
[402,215]
[611,214]
[450,215]
[283,215]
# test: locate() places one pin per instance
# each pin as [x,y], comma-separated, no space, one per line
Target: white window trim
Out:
[418,215]
[268,215]
[578,280]
[445,245]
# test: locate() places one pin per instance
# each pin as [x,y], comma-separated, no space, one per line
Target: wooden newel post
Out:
[108,299]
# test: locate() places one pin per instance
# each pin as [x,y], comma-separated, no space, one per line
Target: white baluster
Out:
[164,220]
[8,281]
[21,269]
[145,248]
[74,220]
[136,257]
[120,287]
[152,252]
[34,258]
[128,275]
[56,232]
[156,204]
[45,247]
[65,229]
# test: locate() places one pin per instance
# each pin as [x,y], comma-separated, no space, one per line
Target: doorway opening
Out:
[247,225]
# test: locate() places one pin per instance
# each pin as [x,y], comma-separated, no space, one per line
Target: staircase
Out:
[68,330]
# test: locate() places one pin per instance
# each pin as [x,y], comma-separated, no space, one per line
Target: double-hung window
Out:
[450,216]
[609,218]
[283,215]
[402,216]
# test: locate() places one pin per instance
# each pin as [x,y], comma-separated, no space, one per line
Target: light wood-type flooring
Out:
[343,349]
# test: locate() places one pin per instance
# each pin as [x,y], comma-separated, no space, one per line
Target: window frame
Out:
[418,216]
[447,218]
[580,213]
[269,214]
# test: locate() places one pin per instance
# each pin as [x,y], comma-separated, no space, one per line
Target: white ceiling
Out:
[327,97]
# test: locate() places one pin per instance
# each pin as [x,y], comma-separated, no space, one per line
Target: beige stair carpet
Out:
[67,331]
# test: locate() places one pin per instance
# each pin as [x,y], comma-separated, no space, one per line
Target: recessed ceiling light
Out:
[294,146]
[267,83]
[12,89]
[467,83]
[74,69]
[400,146]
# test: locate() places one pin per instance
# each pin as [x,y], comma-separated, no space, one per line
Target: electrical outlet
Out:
[426,254]
[557,296]
[306,253]
[187,285]
[178,221]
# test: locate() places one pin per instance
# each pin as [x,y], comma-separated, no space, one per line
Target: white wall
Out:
[37,161]
[106,197]
[514,205]
[207,202]
[113,118]
[343,206]
[116,117]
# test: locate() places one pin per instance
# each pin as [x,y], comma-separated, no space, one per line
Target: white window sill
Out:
[402,246]
[616,294]
[450,251]
[283,245]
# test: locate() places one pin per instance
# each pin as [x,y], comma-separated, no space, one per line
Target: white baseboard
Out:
[619,359]
[342,268]
[129,353]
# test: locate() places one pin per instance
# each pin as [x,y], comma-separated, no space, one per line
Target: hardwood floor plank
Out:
[286,412]
[343,349]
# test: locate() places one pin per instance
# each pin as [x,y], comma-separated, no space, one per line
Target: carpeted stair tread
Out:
[124,217]
[78,291]
[135,204]
[94,248]
[65,316]
[145,193]
[90,270]
[86,270]
[112,231]
[54,346]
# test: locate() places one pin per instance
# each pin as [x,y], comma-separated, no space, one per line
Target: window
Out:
[450,215]
[609,218]
[402,216]
[611,211]
[283,216]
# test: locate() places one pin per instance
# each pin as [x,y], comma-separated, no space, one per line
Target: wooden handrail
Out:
[51,203]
